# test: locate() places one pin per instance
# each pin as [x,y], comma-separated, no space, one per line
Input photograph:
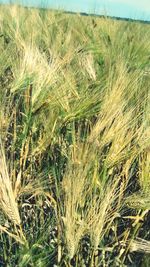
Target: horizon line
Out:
[86,14]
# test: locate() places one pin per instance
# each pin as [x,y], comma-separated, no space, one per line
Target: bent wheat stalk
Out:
[7,198]
[8,203]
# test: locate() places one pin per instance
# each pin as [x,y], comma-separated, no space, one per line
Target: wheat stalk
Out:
[7,197]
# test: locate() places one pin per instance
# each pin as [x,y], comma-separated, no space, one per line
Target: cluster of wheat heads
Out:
[75,140]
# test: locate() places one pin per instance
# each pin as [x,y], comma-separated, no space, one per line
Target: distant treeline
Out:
[110,17]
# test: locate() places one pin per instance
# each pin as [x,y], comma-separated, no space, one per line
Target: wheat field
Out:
[74,140]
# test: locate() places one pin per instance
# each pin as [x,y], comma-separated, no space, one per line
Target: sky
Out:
[135,9]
